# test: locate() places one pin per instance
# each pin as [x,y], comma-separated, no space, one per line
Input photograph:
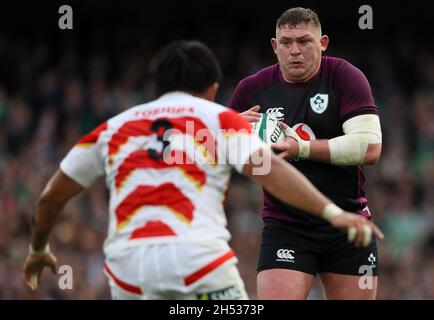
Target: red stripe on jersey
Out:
[231,120]
[153,229]
[201,134]
[166,194]
[141,160]
[127,287]
[208,268]
[93,136]
[184,125]
[128,129]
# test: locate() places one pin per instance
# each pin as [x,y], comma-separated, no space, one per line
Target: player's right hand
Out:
[358,228]
[34,265]
[252,115]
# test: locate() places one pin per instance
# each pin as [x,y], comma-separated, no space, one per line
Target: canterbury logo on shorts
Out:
[285,255]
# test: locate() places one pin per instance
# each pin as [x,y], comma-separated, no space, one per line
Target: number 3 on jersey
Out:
[160,127]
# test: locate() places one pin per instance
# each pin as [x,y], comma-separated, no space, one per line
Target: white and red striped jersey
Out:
[167,165]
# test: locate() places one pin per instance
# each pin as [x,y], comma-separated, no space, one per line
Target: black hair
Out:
[185,66]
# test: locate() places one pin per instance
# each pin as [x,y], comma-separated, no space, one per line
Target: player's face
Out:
[298,50]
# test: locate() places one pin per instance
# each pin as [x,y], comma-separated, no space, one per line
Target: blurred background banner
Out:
[56,85]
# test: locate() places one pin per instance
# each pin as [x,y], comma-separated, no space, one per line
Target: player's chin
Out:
[297,72]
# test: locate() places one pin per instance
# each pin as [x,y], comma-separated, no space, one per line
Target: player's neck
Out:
[208,94]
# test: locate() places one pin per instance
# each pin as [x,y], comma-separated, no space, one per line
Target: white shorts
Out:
[175,271]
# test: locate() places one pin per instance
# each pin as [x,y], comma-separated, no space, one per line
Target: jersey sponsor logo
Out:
[304,131]
[319,102]
[278,112]
[157,111]
[229,293]
[285,255]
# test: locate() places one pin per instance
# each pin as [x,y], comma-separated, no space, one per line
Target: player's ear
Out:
[210,92]
[274,44]
[324,40]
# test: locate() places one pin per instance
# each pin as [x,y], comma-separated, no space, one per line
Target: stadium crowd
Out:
[51,94]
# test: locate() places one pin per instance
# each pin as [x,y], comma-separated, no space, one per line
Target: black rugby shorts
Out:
[314,250]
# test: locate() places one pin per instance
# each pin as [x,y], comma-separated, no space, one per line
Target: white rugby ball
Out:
[268,129]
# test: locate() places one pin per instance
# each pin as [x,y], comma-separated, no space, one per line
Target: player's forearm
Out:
[344,151]
[360,143]
[47,213]
[58,191]
[290,186]
[319,151]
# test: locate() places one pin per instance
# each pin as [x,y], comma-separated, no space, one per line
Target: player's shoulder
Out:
[217,115]
[173,104]
[260,80]
[335,62]
[252,86]
[204,108]
[200,108]
[255,83]
[336,67]
[128,114]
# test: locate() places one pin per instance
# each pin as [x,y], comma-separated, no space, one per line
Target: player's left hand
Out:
[289,149]
[34,265]
[253,114]
[359,229]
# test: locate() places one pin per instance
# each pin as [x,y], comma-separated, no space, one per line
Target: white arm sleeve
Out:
[239,146]
[360,131]
[83,165]
[237,141]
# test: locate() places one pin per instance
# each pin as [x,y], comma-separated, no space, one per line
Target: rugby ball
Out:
[268,129]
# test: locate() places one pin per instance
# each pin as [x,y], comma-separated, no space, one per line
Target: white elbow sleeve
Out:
[360,131]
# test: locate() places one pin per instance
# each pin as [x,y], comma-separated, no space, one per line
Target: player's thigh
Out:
[350,272]
[276,284]
[349,287]
[288,261]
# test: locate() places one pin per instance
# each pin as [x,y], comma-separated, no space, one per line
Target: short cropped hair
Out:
[188,66]
[295,16]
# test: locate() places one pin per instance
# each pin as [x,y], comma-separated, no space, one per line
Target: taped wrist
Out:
[303,145]
[330,211]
